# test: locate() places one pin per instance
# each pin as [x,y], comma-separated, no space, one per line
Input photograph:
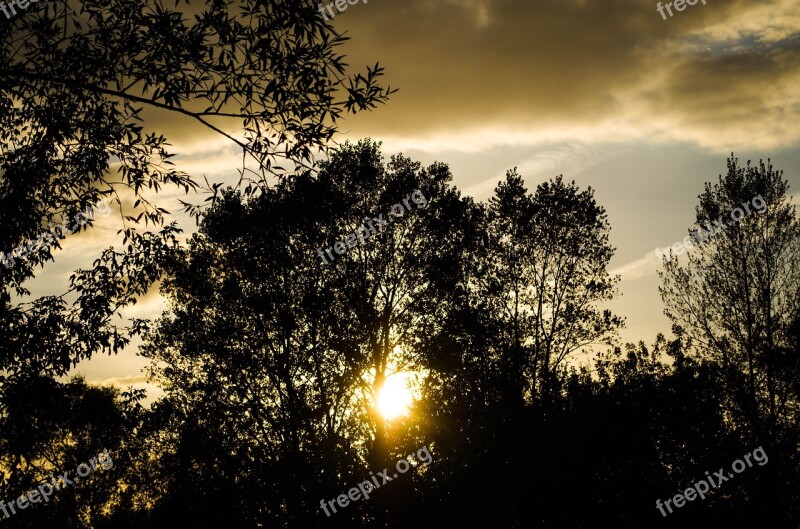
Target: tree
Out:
[275,353]
[737,297]
[545,274]
[522,299]
[52,427]
[738,294]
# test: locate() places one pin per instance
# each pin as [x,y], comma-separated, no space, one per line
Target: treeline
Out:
[271,360]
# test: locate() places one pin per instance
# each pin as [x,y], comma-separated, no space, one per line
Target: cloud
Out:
[490,72]
[153,392]
[649,263]
[549,161]
[150,306]
[121,381]
[645,266]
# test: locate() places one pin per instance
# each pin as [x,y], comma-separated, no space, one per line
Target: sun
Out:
[394,398]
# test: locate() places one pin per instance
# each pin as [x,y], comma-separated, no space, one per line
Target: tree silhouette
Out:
[524,301]
[736,298]
[737,295]
[278,355]
[546,272]
[49,428]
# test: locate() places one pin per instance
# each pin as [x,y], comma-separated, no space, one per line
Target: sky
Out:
[610,94]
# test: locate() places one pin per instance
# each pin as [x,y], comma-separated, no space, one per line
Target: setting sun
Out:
[394,398]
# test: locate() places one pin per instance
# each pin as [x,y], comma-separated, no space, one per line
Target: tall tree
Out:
[524,297]
[546,275]
[737,295]
[277,351]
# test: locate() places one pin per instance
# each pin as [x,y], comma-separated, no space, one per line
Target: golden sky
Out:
[476,73]
[645,110]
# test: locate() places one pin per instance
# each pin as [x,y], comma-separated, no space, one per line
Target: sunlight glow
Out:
[394,398]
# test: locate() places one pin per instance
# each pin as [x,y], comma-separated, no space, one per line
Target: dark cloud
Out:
[611,68]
